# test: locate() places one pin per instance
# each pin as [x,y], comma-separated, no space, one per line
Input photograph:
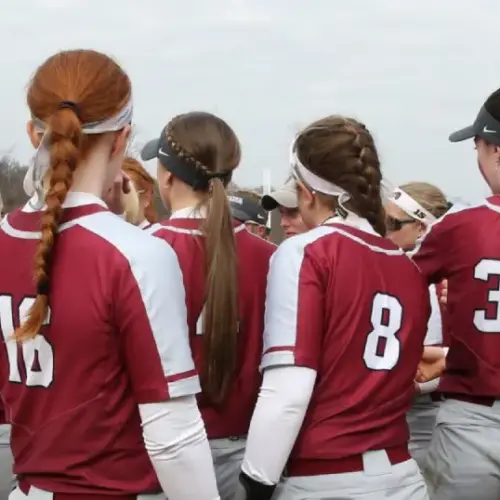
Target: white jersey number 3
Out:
[484,270]
[37,354]
[382,348]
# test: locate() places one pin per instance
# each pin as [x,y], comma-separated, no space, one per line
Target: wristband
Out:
[250,489]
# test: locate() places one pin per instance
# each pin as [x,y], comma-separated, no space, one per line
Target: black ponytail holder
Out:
[43,287]
[71,105]
[449,204]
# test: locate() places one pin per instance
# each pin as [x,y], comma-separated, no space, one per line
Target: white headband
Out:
[301,173]
[411,207]
[41,161]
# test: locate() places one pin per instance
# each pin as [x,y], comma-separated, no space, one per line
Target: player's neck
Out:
[322,215]
[187,200]
[90,176]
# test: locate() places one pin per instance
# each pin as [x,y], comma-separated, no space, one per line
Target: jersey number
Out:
[484,270]
[382,348]
[37,354]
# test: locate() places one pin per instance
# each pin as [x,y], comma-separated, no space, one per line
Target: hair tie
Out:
[43,287]
[71,105]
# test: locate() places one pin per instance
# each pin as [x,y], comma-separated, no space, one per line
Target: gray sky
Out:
[413,71]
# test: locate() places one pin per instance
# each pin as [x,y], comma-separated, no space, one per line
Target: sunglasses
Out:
[397,224]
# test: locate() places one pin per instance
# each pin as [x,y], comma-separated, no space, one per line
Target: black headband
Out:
[185,170]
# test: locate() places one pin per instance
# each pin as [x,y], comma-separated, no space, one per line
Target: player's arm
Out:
[432,365]
[150,312]
[291,350]
[432,250]
[433,337]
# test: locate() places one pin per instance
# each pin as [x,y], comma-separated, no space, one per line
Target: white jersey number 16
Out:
[37,354]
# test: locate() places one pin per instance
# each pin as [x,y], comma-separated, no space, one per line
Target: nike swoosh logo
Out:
[488,131]
[160,151]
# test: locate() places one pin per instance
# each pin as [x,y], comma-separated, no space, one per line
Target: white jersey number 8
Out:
[37,353]
[383,348]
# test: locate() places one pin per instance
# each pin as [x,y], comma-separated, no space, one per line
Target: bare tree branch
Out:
[12,175]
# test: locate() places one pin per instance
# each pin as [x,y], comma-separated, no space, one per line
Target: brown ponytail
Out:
[212,146]
[97,88]
[221,306]
[343,151]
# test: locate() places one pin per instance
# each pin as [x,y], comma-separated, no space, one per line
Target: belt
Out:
[436,396]
[354,463]
[25,487]
[470,398]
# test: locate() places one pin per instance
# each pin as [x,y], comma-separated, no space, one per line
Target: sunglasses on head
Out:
[397,224]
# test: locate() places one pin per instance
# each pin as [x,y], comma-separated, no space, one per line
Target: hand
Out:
[443,296]
[114,196]
[432,364]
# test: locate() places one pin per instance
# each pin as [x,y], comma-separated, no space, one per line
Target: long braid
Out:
[367,197]
[65,138]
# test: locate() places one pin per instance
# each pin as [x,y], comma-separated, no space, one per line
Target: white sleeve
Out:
[428,387]
[177,444]
[276,422]
[435,325]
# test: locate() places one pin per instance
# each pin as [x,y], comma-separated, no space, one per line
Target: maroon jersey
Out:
[115,337]
[353,307]
[182,232]
[464,247]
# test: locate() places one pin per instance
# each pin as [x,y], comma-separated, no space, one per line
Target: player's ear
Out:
[303,192]
[35,137]
[497,155]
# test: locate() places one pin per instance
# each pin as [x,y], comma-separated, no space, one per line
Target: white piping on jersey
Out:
[35,235]
[193,232]
[492,206]
[73,199]
[189,213]
[186,213]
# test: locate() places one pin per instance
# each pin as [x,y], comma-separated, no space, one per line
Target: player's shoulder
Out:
[133,243]
[461,214]
[253,242]
[297,245]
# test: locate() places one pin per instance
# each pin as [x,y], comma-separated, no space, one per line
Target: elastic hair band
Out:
[71,105]
[43,287]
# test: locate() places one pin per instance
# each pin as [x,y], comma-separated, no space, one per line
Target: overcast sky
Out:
[411,70]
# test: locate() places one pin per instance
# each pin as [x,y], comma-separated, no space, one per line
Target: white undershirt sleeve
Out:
[276,422]
[435,324]
[176,441]
[427,387]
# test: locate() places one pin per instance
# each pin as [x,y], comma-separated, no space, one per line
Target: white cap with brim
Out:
[285,196]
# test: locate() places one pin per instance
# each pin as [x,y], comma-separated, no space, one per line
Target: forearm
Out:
[277,419]
[176,441]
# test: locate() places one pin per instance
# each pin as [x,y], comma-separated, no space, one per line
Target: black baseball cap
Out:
[246,209]
[485,125]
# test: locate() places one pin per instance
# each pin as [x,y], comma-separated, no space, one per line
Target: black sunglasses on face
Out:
[397,224]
